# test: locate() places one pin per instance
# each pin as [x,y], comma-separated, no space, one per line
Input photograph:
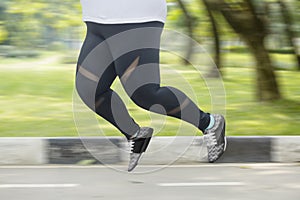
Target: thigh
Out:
[136,53]
[95,62]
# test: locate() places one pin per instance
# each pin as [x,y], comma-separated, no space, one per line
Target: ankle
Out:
[211,122]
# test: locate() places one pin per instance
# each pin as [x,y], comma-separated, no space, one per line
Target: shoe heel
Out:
[225,139]
[141,144]
[147,141]
[145,145]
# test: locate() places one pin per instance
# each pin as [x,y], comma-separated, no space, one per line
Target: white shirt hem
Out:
[121,21]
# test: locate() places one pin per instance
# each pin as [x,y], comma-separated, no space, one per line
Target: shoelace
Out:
[131,145]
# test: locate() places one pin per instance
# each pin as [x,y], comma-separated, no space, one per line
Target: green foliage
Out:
[22,54]
[16,52]
[3,34]
[236,49]
[288,50]
[201,22]
[35,23]
[235,5]
[38,23]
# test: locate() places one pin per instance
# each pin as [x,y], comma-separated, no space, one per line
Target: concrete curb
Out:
[162,150]
[23,151]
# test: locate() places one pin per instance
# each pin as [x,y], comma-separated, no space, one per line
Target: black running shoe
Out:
[139,143]
[215,139]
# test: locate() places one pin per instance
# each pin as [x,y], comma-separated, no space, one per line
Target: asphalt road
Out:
[204,181]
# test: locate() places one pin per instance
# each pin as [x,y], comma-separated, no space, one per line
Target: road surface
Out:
[186,182]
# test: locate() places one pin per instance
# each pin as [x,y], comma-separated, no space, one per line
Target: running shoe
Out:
[139,143]
[215,139]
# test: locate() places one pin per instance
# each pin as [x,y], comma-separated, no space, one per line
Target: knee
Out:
[145,96]
[86,94]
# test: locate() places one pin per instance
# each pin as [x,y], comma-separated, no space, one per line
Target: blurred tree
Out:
[39,22]
[215,30]
[192,16]
[247,20]
[190,21]
[289,24]
[3,31]
[23,27]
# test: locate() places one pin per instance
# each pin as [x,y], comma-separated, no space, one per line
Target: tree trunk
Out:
[217,57]
[266,83]
[189,21]
[289,30]
[242,17]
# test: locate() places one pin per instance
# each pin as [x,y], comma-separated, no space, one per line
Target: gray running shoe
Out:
[215,139]
[139,143]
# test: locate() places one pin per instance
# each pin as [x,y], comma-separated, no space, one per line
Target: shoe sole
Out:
[225,139]
[135,164]
[225,144]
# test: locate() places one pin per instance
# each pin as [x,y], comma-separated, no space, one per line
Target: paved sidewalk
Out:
[203,181]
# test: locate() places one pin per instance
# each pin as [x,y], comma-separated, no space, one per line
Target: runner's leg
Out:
[94,79]
[138,70]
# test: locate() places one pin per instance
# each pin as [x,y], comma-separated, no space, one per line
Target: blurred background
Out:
[255,44]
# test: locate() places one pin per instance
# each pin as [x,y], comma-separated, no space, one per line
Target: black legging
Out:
[131,52]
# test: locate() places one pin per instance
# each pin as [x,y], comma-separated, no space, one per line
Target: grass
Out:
[36,100]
